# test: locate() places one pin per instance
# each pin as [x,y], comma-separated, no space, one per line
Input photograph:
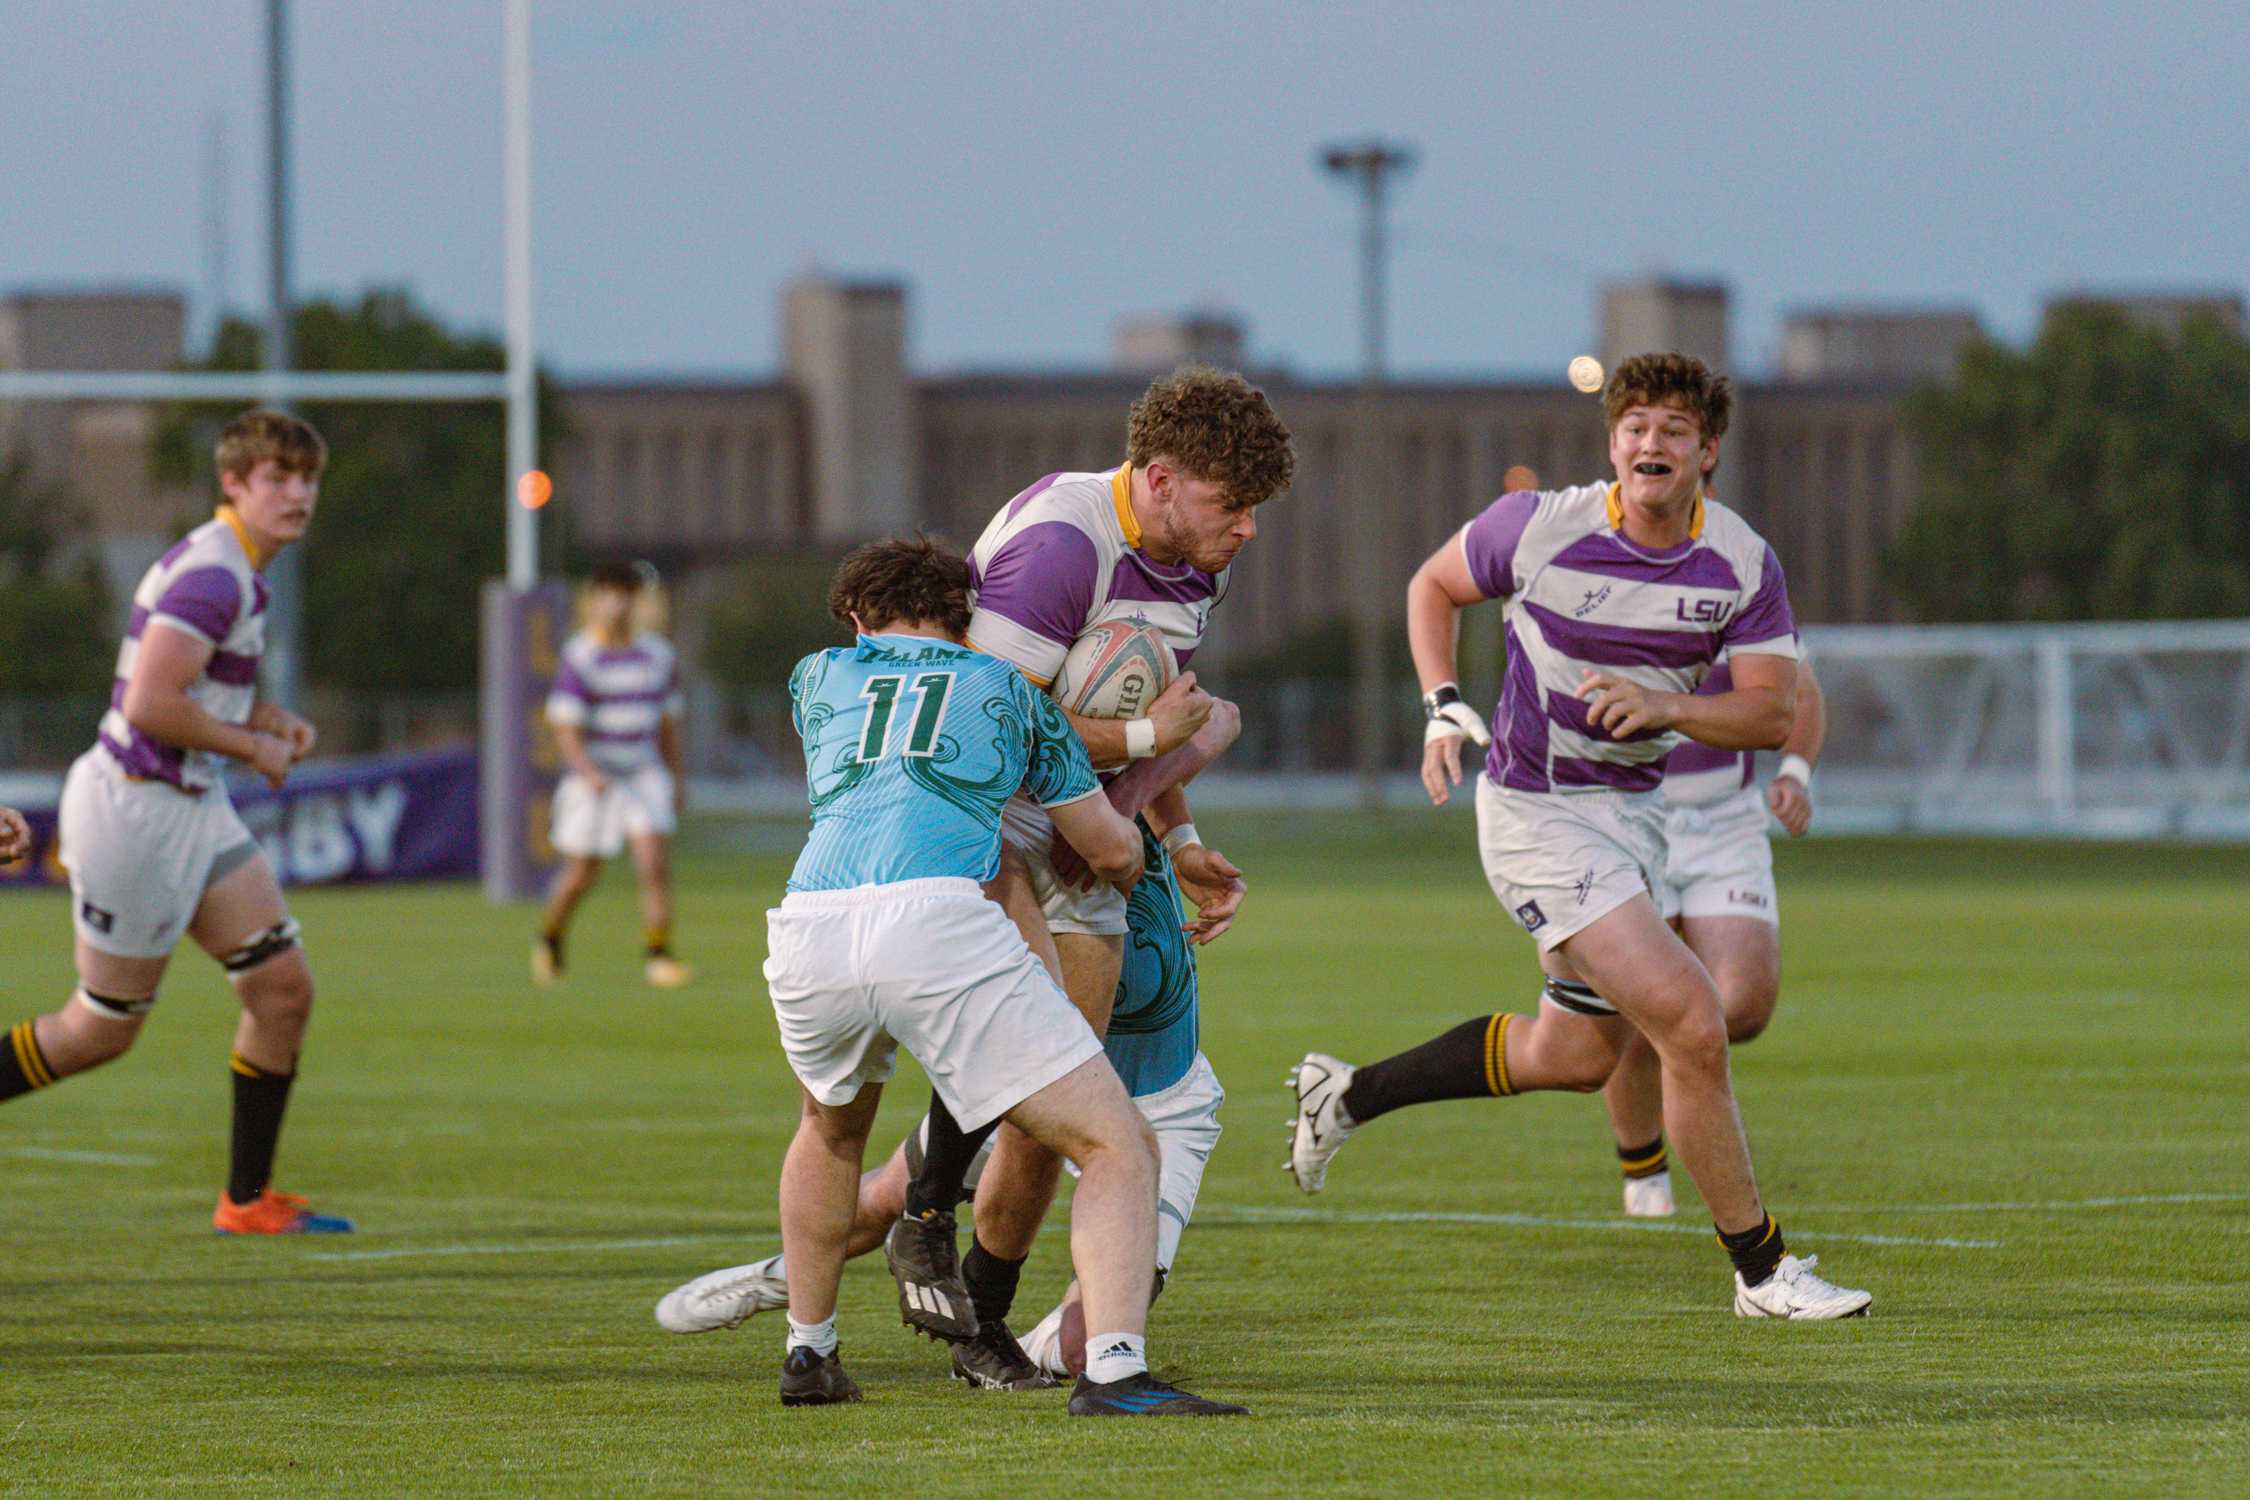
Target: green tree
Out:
[411,521]
[54,608]
[764,615]
[2103,473]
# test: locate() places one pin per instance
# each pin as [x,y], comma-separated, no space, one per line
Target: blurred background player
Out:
[153,844]
[1720,898]
[887,938]
[1153,1040]
[1150,541]
[1616,601]
[15,836]
[615,709]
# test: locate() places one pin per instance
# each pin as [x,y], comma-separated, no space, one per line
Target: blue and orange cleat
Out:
[274,1213]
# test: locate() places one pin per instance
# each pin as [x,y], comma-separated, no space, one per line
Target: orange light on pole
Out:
[534,489]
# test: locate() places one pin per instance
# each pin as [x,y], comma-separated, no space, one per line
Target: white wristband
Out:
[1798,768]
[1140,738]
[1179,837]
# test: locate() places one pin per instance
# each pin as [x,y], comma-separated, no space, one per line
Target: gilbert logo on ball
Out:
[1586,373]
[1115,670]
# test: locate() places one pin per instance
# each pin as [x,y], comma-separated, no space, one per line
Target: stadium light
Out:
[1369,165]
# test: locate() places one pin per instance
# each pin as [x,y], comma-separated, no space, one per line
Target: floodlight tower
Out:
[1369,165]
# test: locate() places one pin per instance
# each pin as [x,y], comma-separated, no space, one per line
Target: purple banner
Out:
[346,821]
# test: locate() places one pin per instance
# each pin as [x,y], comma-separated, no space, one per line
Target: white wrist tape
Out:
[1140,738]
[1179,837]
[1798,768]
[1452,722]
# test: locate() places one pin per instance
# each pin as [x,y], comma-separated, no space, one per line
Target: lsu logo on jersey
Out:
[1706,611]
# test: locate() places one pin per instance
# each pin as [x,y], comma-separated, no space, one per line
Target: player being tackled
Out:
[886,938]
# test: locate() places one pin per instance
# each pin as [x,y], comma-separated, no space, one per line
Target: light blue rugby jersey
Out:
[912,747]
[1155,1029]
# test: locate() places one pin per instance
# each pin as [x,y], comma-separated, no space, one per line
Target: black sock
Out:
[260,1098]
[23,1067]
[1643,1161]
[947,1153]
[1755,1251]
[992,1282]
[1468,1062]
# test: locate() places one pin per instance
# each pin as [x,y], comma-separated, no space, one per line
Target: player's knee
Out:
[1697,1041]
[98,1028]
[1750,1016]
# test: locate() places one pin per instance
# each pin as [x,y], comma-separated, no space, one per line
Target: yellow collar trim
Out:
[1617,512]
[1121,491]
[241,532]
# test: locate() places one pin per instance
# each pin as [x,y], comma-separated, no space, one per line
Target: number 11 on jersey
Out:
[930,692]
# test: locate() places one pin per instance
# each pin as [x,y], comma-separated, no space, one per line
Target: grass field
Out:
[2007,1090]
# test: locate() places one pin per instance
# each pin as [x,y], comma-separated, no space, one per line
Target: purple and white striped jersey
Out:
[207,588]
[617,696]
[1063,557]
[1696,773]
[1578,595]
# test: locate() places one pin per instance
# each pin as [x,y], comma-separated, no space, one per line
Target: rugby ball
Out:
[1115,670]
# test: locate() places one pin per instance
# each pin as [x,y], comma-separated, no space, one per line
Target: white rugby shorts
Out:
[1718,861]
[1185,1118]
[1100,912]
[931,965]
[595,825]
[1559,861]
[141,854]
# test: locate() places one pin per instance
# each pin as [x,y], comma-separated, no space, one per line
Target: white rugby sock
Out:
[819,1337]
[1115,1356]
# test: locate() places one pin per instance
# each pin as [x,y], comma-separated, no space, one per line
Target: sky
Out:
[1035,172]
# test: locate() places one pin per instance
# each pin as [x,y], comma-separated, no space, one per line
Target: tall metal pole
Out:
[285,617]
[523,408]
[1368,165]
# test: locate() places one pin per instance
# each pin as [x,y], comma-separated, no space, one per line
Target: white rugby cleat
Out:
[725,1299]
[1650,1197]
[1794,1292]
[1317,1131]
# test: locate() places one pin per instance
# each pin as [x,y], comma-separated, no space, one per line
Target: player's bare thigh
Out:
[1634,960]
[1743,955]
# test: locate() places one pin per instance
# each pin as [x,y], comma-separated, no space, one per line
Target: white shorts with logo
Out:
[1185,1118]
[1100,912]
[928,964]
[1558,861]
[594,825]
[141,854]
[1718,861]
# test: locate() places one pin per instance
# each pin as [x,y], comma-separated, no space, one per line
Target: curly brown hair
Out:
[1216,426]
[259,434]
[1666,380]
[902,579]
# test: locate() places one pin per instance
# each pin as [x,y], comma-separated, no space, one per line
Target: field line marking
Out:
[560,1247]
[86,1158]
[2051,1206]
[1218,1215]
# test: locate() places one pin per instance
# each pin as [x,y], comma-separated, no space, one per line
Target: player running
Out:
[615,710]
[1719,897]
[1151,541]
[1616,600]
[886,938]
[154,846]
[1153,1040]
